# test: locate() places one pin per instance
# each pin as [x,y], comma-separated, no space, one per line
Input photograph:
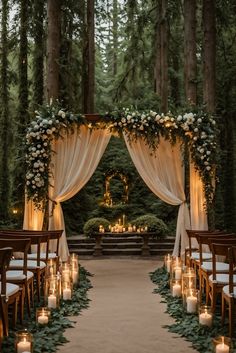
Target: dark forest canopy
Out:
[99,56]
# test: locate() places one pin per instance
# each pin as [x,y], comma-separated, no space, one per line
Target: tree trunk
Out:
[164,57]
[53,48]
[91,57]
[115,36]
[161,63]
[158,53]
[190,61]
[209,54]
[38,52]
[5,116]
[23,116]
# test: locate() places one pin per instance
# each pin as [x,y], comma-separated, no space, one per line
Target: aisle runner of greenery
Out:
[186,325]
[47,338]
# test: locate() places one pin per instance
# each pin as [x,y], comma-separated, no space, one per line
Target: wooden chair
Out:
[36,266]
[192,254]
[217,281]
[206,267]
[10,293]
[229,291]
[23,278]
[54,237]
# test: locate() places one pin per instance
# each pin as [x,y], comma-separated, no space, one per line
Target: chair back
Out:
[5,258]
[36,239]
[52,234]
[18,245]
[220,247]
[205,239]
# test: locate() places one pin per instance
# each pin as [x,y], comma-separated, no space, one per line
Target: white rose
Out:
[202,150]
[50,122]
[28,182]
[195,138]
[49,131]
[196,129]
[179,118]
[199,120]
[141,127]
[208,152]
[36,165]
[208,168]
[123,120]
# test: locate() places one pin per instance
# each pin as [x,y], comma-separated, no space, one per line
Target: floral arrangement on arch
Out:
[197,130]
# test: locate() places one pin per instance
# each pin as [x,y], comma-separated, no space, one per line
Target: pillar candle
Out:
[23,346]
[43,319]
[52,301]
[222,348]
[66,294]
[191,304]
[205,319]
[178,273]
[176,290]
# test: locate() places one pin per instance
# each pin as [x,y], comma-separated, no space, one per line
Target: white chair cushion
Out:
[10,289]
[33,256]
[15,275]
[226,291]
[30,264]
[222,278]
[220,266]
[205,256]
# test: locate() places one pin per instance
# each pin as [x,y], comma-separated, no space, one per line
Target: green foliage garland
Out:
[197,130]
[186,325]
[47,338]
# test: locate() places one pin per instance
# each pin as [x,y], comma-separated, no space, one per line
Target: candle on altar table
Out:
[205,319]
[66,294]
[120,229]
[178,273]
[119,221]
[176,290]
[124,229]
[23,346]
[191,304]
[52,301]
[146,229]
[134,228]
[130,229]
[123,217]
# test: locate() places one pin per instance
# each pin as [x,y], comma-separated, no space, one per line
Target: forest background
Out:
[97,56]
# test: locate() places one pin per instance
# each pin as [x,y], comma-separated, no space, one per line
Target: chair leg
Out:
[5,319]
[208,292]
[22,304]
[231,317]
[38,284]
[223,310]
[14,313]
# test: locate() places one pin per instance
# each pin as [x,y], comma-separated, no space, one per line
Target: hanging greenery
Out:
[197,130]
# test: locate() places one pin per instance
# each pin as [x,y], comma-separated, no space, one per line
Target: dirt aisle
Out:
[124,315]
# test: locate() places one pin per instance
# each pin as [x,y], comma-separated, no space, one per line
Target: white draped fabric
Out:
[163,172]
[198,213]
[33,218]
[75,159]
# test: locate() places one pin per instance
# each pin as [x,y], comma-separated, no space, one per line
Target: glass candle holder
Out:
[66,272]
[67,290]
[176,288]
[23,342]
[205,316]
[167,262]
[51,267]
[188,279]
[75,274]
[74,259]
[191,300]
[43,316]
[222,344]
[176,273]
[51,292]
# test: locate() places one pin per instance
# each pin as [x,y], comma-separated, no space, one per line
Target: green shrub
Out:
[92,225]
[153,223]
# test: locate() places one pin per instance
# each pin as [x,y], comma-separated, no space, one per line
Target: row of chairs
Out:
[26,269]
[214,259]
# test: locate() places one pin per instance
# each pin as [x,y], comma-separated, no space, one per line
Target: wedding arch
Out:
[63,151]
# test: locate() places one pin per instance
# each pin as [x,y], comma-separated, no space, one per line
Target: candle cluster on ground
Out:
[183,282]
[58,285]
